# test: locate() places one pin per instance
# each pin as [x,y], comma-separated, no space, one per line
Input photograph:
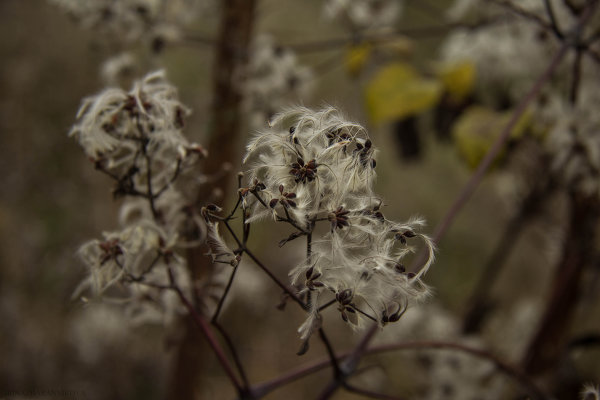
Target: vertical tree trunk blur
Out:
[543,355]
[231,52]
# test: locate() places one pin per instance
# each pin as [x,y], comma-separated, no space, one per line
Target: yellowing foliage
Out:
[458,78]
[398,91]
[478,128]
[356,58]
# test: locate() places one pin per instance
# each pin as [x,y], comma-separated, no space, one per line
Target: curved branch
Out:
[523,380]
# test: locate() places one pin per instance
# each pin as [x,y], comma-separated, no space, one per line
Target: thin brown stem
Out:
[275,279]
[234,353]
[421,32]
[144,150]
[224,296]
[575,77]
[207,332]
[337,372]
[479,304]
[553,21]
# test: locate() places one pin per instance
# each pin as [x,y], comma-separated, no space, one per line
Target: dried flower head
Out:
[317,166]
[136,138]
[123,131]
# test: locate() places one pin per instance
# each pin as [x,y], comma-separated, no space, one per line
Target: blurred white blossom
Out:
[116,68]
[126,21]
[271,79]
[362,14]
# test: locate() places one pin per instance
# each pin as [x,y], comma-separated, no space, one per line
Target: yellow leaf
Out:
[356,58]
[458,78]
[398,91]
[478,128]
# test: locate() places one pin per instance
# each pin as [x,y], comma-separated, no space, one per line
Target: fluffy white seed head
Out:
[312,167]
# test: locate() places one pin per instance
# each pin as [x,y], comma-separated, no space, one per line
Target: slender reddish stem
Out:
[210,337]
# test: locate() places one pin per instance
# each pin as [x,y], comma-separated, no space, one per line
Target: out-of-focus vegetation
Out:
[52,200]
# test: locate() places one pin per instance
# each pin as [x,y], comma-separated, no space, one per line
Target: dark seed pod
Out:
[273,203]
[344,316]
[344,297]
[213,208]
[303,348]
[309,272]
[394,318]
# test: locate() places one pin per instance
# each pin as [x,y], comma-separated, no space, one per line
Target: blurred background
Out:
[52,201]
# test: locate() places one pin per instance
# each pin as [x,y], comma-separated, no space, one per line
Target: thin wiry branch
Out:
[208,334]
[505,368]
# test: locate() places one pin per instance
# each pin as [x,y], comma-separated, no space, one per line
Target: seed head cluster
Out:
[136,139]
[117,129]
[310,167]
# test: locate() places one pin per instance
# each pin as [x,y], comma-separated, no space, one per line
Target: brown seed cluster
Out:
[286,199]
[304,172]
[339,218]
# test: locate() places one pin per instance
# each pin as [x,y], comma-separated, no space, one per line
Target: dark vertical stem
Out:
[479,303]
[543,354]
[231,53]
[144,148]
[545,349]
[576,77]
[552,17]
[231,50]
[337,372]
[224,296]
[207,332]
[234,354]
